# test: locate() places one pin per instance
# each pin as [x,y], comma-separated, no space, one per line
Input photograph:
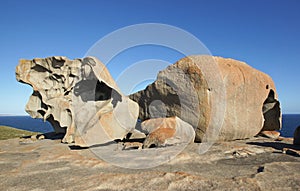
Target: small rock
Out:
[285,139]
[132,145]
[279,138]
[41,137]
[33,137]
[270,134]
[24,141]
[242,153]
[291,152]
[167,131]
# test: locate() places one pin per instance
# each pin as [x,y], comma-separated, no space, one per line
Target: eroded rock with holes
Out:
[167,131]
[182,90]
[78,97]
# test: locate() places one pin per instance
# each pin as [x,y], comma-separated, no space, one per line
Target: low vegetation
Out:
[10,132]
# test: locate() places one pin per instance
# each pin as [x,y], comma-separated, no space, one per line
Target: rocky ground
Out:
[252,164]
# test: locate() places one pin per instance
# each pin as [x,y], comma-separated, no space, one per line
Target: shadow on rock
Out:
[77,147]
[276,145]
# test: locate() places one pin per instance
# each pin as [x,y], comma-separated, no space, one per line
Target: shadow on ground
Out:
[50,135]
[276,145]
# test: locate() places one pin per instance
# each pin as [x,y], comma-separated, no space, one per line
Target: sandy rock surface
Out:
[253,164]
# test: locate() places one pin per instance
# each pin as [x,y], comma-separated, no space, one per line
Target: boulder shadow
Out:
[76,147]
[53,135]
[276,145]
[49,135]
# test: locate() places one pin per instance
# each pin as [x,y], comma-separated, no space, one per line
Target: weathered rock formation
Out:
[297,136]
[79,98]
[167,131]
[182,90]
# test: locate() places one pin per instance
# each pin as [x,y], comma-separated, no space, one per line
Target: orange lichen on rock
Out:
[164,131]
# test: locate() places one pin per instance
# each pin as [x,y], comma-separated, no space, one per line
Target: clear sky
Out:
[263,33]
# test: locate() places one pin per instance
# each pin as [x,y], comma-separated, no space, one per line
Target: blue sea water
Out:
[26,123]
[289,123]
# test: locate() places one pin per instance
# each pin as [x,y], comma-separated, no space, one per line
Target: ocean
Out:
[289,123]
[26,123]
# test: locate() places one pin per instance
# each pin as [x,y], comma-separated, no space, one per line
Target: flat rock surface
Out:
[253,164]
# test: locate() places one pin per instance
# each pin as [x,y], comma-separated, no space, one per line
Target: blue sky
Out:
[263,33]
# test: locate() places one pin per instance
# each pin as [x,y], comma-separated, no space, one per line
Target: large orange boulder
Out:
[249,98]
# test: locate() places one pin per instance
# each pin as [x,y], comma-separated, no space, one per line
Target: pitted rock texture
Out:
[78,97]
[182,90]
